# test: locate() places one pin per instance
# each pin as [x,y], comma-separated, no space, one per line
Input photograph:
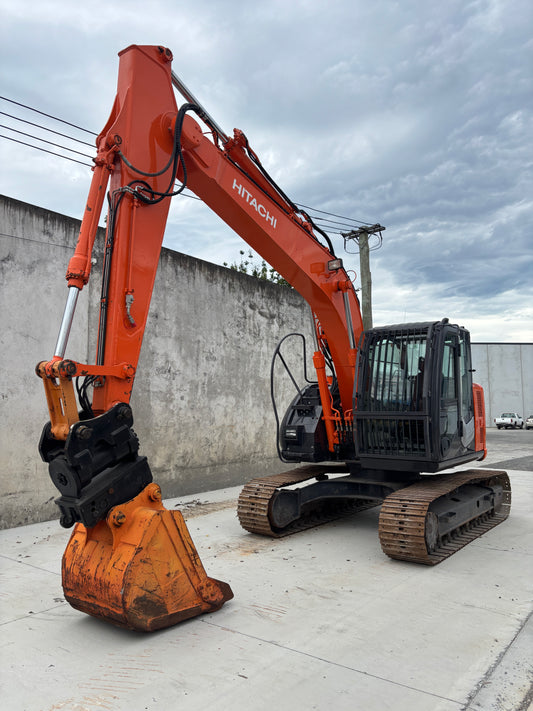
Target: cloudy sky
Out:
[414,114]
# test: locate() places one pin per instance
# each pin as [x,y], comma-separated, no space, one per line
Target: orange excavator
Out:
[388,409]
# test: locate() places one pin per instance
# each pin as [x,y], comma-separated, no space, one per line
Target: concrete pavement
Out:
[320,620]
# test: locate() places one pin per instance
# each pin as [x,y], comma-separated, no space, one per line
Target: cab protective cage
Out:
[413,399]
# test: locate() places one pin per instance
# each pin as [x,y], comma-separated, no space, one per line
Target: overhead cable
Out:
[326,223]
[55,118]
[44,150]
[342,217]
[44,128]
[43,140]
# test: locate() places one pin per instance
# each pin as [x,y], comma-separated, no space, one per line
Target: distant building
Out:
[505,370]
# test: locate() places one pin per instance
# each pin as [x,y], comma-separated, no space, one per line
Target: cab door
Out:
[457,424]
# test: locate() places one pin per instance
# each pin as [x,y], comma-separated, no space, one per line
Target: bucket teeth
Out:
[139,568]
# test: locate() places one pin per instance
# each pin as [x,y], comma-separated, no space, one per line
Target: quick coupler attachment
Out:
[96,467]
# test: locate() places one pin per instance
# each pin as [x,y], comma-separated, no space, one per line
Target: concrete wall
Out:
[201,400]
[505,370]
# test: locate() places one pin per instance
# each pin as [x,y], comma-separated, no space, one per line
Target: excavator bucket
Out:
[139,568]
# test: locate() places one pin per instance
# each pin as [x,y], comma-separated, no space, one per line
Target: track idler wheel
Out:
[139,568]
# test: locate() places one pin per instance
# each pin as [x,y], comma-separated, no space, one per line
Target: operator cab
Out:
[413,401]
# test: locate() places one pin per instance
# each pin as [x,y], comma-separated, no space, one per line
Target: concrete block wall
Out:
[201,399]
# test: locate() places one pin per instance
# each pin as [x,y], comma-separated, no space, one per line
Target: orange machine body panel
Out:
[479,417]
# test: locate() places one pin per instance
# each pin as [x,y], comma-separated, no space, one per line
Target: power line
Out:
[342,217]
[60,155]
[50,143]
[324,222]
[55,118]
[334,223]
[44,150]
[45,128]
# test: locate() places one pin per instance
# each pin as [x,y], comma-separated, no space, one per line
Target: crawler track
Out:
[404,516]
[254,502]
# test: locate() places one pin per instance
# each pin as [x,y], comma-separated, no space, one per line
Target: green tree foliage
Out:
[249,265]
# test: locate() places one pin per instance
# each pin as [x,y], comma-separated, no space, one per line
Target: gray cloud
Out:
[415,115]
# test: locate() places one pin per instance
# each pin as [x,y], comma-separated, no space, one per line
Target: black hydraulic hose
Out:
[106,272]
[174,160]
[277,353]
[177,140]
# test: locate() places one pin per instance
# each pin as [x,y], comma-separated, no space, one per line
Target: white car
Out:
[509,420]
[529,423]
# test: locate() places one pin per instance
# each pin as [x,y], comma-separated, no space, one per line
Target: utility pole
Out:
[361,236]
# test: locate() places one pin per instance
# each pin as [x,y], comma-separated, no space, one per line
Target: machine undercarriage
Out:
[423,519]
